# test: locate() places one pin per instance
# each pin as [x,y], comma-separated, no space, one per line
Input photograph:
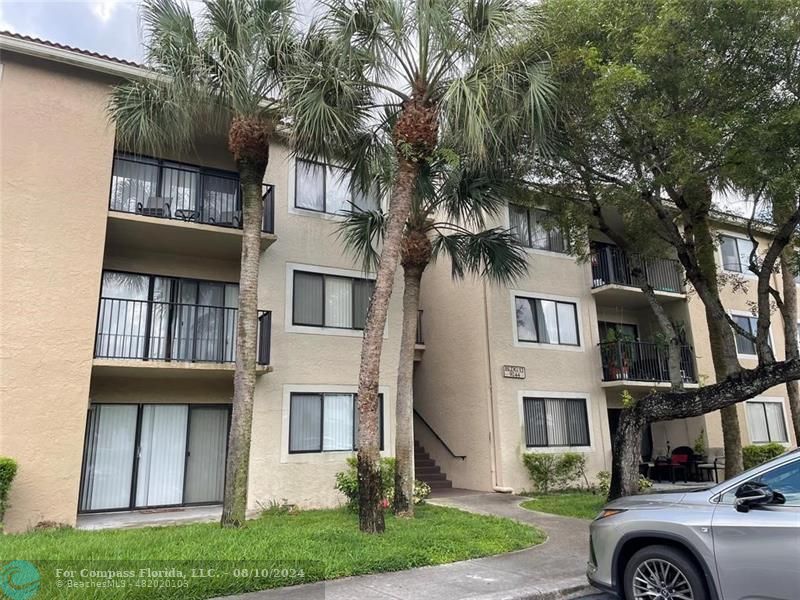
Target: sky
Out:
[106,26]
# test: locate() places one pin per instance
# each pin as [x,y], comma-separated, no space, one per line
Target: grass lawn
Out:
[271,551]
[583,505]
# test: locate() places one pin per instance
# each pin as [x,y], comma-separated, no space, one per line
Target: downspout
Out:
[494,465]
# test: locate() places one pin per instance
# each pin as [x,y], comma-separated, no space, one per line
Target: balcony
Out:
[164,206]
[615,276]
[640,363]
[159,337]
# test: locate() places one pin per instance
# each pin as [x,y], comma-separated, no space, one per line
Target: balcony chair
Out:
[711,466]
[155,206]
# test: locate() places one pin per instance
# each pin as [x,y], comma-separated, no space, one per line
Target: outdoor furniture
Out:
[187,215]
[708,468]
[154,207]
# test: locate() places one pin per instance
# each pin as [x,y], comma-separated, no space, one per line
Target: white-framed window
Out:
[749,323]
[735,253]
[325,422]
[766,420]
[330,300]
[555,422]
[530,227]
[541,320]
[324,188]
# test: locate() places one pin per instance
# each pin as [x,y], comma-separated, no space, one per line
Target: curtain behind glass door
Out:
[162,455]
[108,457]
[205,462]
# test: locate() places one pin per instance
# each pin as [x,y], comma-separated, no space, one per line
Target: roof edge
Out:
[83,59]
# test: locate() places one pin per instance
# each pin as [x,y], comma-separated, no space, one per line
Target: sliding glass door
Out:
[108,457]
[147,455]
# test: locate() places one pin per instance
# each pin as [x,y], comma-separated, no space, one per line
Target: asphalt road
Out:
[597,597]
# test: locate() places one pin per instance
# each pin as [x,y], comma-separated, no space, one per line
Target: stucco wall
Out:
[738,294]
[451,387]
[55,164]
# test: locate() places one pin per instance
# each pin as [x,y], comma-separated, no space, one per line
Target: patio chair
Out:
[154,206]
[707,469]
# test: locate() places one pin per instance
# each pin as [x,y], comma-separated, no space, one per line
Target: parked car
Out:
[739,540]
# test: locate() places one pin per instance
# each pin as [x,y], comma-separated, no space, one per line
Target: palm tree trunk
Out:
[244,380]
[370,511]
[404,413]
[789,314]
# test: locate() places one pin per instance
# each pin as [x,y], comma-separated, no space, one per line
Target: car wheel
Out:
[662,573]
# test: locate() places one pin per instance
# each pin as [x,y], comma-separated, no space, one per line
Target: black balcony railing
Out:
[420,339]
[167,190]
[643,361]
[149,330]
[610,265]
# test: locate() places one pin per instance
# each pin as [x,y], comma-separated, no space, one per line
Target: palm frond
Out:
[362,231]
[493,254]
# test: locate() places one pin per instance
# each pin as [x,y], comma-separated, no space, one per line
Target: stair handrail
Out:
[438,437]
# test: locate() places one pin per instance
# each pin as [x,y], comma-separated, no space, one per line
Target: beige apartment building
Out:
[117,324]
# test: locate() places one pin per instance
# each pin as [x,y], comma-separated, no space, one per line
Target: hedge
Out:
[757,455]
[8,469]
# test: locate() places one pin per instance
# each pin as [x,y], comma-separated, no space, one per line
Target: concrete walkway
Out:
[552,570]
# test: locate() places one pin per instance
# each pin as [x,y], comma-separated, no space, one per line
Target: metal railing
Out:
[420,339]
[438,437]
[172,331]
[610,265]
[643,361]
[167,190]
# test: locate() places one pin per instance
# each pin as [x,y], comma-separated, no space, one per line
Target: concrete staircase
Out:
[426,469]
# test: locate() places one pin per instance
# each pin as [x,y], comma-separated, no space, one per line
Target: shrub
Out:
[550,471]
[347,483]
[604,483]
[759,454]
[8,469]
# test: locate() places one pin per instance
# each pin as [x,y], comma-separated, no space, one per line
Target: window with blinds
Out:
[325,422]
[750,325]
[533,228]
[546,321]
[766,422]
[330,300]
[735,253]
[556,422]
[327,189]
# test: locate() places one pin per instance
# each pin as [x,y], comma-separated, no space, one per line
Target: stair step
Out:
[428,477]
[420,471]
[440,484]
[421,455]
[426,462]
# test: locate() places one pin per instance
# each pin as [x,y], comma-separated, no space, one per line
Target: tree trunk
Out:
[404,420]
[370,511]
[789,314]
[626,454]
[244,379]
[723,344]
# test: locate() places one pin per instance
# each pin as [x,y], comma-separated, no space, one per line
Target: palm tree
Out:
[448,217]
[435,66]
[208,75]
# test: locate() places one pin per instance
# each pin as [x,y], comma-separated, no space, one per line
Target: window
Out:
[765,422]
[749,324]
[786,480]
[735,254]
[330,300]
[546,321]
[555,422]
[530,228]
[325,422]
[326,189]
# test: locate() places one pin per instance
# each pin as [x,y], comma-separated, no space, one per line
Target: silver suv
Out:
[739,540]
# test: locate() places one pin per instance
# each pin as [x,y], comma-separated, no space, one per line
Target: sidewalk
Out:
[552,570]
